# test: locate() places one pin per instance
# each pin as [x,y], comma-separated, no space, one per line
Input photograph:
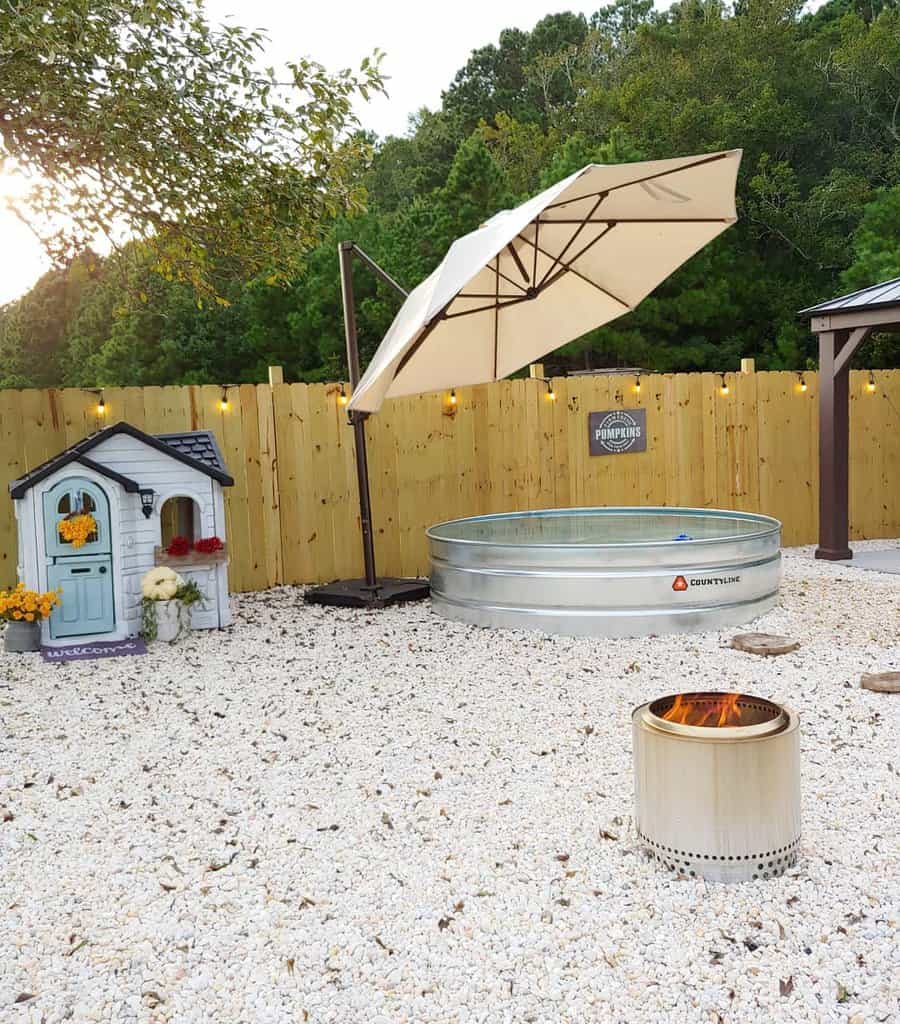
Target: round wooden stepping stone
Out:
[881,682]
[765,644]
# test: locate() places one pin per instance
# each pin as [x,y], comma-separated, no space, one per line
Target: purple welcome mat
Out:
[96,649]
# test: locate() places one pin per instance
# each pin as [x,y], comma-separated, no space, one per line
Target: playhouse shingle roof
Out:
[197,444]
[195,448]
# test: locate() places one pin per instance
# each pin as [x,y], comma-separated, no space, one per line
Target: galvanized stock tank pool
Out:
[607,571]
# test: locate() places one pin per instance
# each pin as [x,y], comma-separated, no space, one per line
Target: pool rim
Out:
[772,525]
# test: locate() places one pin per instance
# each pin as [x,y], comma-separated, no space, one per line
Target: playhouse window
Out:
[83,503]
[179,517]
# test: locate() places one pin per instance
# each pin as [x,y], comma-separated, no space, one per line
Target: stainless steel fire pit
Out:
[717,784]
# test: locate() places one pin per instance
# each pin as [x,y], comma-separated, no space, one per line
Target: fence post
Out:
[536,370]
[748,366]
[276,375]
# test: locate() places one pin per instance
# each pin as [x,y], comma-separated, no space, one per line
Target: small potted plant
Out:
[167,604]
[23,610]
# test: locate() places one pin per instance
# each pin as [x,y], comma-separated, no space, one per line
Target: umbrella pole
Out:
[373,591]
[345,255]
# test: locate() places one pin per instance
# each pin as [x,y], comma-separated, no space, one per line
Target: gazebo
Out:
[842,325]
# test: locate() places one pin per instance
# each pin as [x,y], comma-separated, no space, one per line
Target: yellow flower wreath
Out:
[77,529]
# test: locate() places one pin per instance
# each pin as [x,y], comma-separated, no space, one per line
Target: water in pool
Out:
[596,526]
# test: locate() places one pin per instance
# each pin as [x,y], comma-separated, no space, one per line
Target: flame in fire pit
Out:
[722,712]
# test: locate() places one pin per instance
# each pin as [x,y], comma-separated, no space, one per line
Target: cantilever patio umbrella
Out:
[580,254]
[583,252]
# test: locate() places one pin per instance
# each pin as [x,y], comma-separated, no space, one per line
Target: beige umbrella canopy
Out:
[576,256]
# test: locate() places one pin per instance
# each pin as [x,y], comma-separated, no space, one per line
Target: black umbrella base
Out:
[359,594]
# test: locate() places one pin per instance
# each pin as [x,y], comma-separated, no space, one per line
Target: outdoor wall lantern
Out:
[147,494]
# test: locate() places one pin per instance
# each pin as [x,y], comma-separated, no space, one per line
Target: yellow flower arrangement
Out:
[77,529]
[21,605]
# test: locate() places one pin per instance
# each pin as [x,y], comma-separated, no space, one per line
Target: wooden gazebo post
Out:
[842,325]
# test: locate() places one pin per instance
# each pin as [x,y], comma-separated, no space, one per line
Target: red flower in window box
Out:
[178,547]
[208,545]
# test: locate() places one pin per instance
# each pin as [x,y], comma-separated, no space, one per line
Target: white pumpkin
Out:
[161,583]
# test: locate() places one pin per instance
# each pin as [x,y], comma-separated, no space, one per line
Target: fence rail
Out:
[292,515]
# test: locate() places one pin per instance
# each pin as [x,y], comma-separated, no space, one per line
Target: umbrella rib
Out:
[567,267]
[512,251]
[584,248]
[537,228]
[509,280]
[558,260]
[483,309]
[645,220]
[417,344]
[640,181]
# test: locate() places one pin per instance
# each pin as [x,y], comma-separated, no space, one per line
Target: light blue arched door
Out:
[83,574]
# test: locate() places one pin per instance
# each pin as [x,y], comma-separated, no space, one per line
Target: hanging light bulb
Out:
[342,396]
[637,384]
[803,384]
[551,394]
[223,401]
[101,405]
[724,387]
[870,386]
[453,396]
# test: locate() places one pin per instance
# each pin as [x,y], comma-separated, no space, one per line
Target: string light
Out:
[453,396]
[551,394]
[101,405]
[724,387]
[871,384]
[223,401]
[342,396]
[637,384]
[803,384]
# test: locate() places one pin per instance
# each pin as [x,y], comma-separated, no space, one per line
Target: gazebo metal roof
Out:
[876,296]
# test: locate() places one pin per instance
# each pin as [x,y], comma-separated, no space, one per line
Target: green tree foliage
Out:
[812,99]
[876,243]
[139,115]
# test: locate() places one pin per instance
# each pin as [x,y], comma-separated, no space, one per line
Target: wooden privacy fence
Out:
[293,515]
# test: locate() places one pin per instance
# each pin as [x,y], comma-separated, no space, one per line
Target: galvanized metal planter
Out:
[607,571]
[22,637]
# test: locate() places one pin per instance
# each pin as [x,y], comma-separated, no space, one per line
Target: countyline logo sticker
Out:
[703,581]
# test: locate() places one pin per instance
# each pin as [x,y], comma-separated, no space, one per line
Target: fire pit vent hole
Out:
[769,864]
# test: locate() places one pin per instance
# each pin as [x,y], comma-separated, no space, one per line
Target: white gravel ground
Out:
[331,816]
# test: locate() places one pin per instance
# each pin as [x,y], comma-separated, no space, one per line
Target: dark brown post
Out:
[345,255]
[834,441]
